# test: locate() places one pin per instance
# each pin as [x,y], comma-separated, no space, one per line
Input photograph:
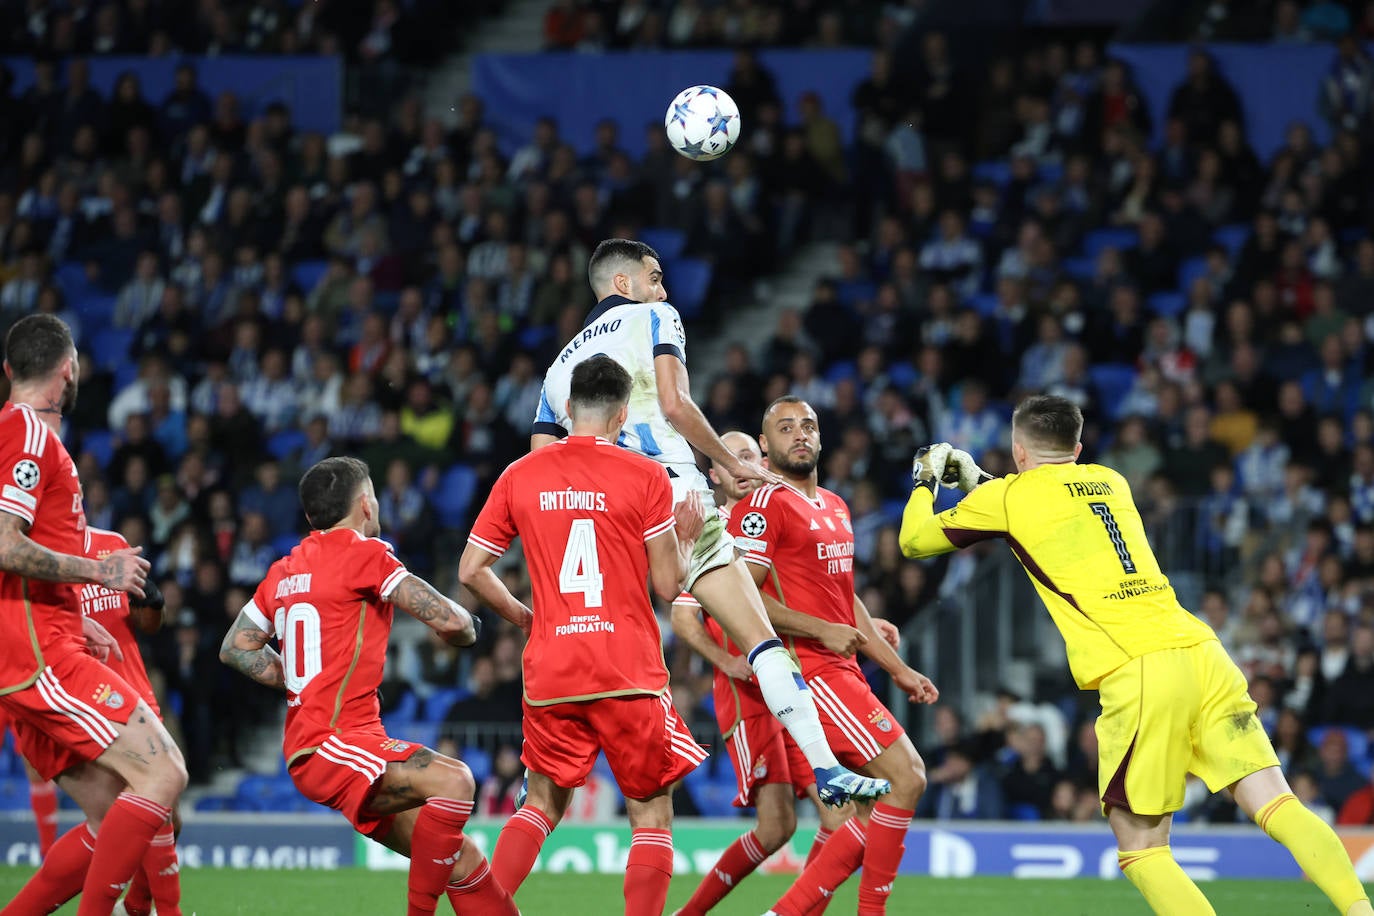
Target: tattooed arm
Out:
[449,619]
[246,650]
[122,570]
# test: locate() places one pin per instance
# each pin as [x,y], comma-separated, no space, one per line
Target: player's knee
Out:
[909,783]
[171,775]
[774,832]
[458,782]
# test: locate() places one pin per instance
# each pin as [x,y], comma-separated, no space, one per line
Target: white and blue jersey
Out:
[633,334]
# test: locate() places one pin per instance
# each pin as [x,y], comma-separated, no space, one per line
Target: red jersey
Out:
[40,620]
[327,604]
[584,509]
[111,610]
[807,546]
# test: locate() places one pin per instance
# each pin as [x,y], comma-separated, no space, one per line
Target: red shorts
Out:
[763,752]
[63,718]
[857,724]
[343,772]
[643,738]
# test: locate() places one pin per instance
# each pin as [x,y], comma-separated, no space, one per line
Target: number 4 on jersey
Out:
[581,570]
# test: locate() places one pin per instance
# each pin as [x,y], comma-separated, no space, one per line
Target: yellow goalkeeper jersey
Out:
[1079,536]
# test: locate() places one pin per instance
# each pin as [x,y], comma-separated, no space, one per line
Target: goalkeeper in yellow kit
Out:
[1173,702]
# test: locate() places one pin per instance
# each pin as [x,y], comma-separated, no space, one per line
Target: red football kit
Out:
[49,684]
[807,546]
[327,604]
[594,674]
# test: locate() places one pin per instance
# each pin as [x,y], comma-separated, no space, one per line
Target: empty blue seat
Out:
[1024,811]
[453,495]
[688,281]
[996,171]
[1356,742]
[71,277]
[1167,305]
[440,701]
[984,304]
[306,274]
[534,338]
[851,292]
[479,761]
[96,309]
[1189,271]
[668,242]
[407,708]
[1232,237]
[283,544]
[901,375]
[1121,238]
[110,347]
[280,444]
[1081,269]
[1112,381]
[844,369]
[100,443]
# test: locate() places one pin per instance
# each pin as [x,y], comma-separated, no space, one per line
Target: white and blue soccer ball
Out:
[702,123]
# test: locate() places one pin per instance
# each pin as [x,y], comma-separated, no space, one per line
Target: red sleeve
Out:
[495,526]
[755,523]
[658,504]
[1357,809]
[376,570]
[27,460]
[259,608]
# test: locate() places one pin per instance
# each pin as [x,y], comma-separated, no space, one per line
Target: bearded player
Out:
[633,324]
[329,605]
[596,523]
[1173,702]
[53,690]
[799,545]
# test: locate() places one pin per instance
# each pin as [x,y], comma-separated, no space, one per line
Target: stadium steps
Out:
[754,324]
[519,28]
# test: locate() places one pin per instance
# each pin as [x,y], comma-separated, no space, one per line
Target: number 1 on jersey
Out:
[1102,511]
[581,570]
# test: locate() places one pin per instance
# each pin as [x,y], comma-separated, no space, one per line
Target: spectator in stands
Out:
[1028,784]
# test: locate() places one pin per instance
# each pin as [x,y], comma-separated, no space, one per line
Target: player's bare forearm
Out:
[474,571]
[687,626]
[539,440]
[675,400]
[21,555]
[921,534]
[246,650]
[422,601]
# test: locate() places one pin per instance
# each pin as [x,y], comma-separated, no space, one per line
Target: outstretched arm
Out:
[246,650]
[475,572]
[675,400]
[449,619]
[122,570]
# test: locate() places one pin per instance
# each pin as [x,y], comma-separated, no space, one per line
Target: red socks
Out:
[434,846]
[887,828]
[821,836]
[518,846]
[736,863]
[478,893]
[839,857]
[60,878]
[159,879]
[125,835]
[43,800]
[648,871]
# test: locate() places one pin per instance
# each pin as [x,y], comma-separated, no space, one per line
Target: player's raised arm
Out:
[456,624]
[979,516]
[675,400]
[246,649]
[122,570]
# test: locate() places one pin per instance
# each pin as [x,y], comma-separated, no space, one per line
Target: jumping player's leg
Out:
[729,595]
[524,834]
[1266,798]
[649,869]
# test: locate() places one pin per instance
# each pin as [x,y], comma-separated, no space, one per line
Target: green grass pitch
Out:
[317,893]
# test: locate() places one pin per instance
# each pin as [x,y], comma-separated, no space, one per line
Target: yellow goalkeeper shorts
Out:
[1173,712]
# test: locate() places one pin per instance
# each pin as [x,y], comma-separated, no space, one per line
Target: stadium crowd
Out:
[250,298]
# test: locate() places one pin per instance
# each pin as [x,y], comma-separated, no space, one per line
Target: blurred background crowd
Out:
[250,297]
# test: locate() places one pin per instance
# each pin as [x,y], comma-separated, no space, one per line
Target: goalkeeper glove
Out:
[962,471]
[928,467]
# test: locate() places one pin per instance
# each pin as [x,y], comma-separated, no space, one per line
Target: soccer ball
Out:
[702,123]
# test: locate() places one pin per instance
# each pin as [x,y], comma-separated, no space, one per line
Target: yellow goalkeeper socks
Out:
[1317,849]
[1165,887]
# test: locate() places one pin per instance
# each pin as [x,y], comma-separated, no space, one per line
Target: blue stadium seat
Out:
[125,374]
[1120,238]
[1024,811]
[715,798]
[453,495]
[844,369]
[426,733]
[688,281]
[407,708]
[215,803]
[534,338]
[1353,235]
[283,443]
[306,274]
[995,171]
[100,443]
[668,242]
[71,277]
[110,347]
[1112,381]
[283,544]
[984,304]
[440,701]
[1080,269]
[1051,172]
[1232,237]
[853,291]
[479,761]
[1166,305]
[1356,742]
[95,309]
[901,375]
[1190,270]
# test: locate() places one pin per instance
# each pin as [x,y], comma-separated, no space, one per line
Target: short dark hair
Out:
[1049,421]
[36,345]
[785,399]
[612,254]
[328,489]
[600,384]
